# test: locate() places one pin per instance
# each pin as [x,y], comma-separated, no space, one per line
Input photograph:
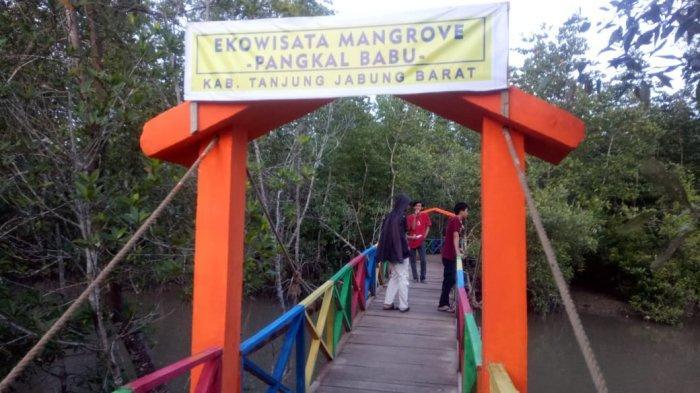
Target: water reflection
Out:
[635,356]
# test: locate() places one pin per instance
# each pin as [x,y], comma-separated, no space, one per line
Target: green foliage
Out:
[620,209]
[574,232]
[654,249]
[556,67]
[261,248]
[643,28]
[73,182]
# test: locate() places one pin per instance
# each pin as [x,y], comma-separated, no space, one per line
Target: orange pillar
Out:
[504,312]
[218,258]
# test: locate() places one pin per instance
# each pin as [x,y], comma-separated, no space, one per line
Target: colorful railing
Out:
[499,381]
[341,298]
[433,245]
[468,334]
[327,313]
[209,380]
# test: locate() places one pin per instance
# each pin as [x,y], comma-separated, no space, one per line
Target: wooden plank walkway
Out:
[389,351]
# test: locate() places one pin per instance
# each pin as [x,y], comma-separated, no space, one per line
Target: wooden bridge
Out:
[368,349]
[390,351]
[336,307]
[512,124]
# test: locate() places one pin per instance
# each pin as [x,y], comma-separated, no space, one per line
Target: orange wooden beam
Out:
[219,256]
[504,258]
[551,133]
[440,211]
[170,137]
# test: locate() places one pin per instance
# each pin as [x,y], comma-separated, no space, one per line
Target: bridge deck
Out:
[389,351]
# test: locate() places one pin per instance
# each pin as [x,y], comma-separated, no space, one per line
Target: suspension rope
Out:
[60,323]
[581,337]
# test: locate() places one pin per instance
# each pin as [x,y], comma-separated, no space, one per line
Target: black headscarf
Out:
[393,246]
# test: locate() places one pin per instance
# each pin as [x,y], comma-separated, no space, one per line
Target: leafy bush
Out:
[573,231]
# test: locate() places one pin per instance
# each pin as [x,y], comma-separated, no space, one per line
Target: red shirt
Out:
[417,227]
[448,246]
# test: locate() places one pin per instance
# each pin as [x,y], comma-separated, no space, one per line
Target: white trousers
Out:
[398,282]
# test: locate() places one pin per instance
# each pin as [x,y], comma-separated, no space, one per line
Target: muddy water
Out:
[171,332]
[635,356]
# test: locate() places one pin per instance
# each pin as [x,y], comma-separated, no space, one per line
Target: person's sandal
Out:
[389,308]
[446,309]
[405,309]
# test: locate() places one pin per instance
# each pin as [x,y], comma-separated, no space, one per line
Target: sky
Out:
[525,17]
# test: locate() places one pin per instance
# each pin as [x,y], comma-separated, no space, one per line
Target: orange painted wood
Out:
[168,137]
[438,210]
[210,378]
[550,132]
[504,284]
[218,259]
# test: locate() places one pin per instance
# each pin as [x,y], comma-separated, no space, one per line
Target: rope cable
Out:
[60,323]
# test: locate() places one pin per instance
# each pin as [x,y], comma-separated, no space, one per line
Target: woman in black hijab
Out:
[393,247]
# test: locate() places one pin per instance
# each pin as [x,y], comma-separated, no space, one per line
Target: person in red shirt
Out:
[418,225]
[450,252]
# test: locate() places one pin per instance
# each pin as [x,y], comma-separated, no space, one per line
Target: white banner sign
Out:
[453,49]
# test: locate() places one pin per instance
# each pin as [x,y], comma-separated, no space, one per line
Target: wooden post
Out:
[218,260]
[504,281]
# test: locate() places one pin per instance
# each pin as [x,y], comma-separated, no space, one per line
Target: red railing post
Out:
[210,378]
[210,381]
[358,287]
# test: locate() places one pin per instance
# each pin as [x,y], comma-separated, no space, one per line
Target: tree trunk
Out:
[278,259]
[133,339]
[82,212]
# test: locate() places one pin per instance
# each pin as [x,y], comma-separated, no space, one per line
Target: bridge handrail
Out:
[342,297]
[433,245]
[499,380]
[468,334]
[208,381]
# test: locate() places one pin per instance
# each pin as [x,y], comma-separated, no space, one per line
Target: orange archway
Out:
[537,128]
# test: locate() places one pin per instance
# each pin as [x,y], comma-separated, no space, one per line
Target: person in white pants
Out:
[393,247]
[398,283]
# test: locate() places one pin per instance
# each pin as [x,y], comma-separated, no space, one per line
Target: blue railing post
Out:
[371,276]
[301,356]
[292,324]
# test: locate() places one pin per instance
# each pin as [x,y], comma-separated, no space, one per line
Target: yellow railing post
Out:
[318,328]
[499,380]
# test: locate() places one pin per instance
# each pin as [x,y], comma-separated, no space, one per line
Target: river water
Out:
[635,356]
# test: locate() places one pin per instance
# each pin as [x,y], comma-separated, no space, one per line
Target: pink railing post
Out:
[210,382]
